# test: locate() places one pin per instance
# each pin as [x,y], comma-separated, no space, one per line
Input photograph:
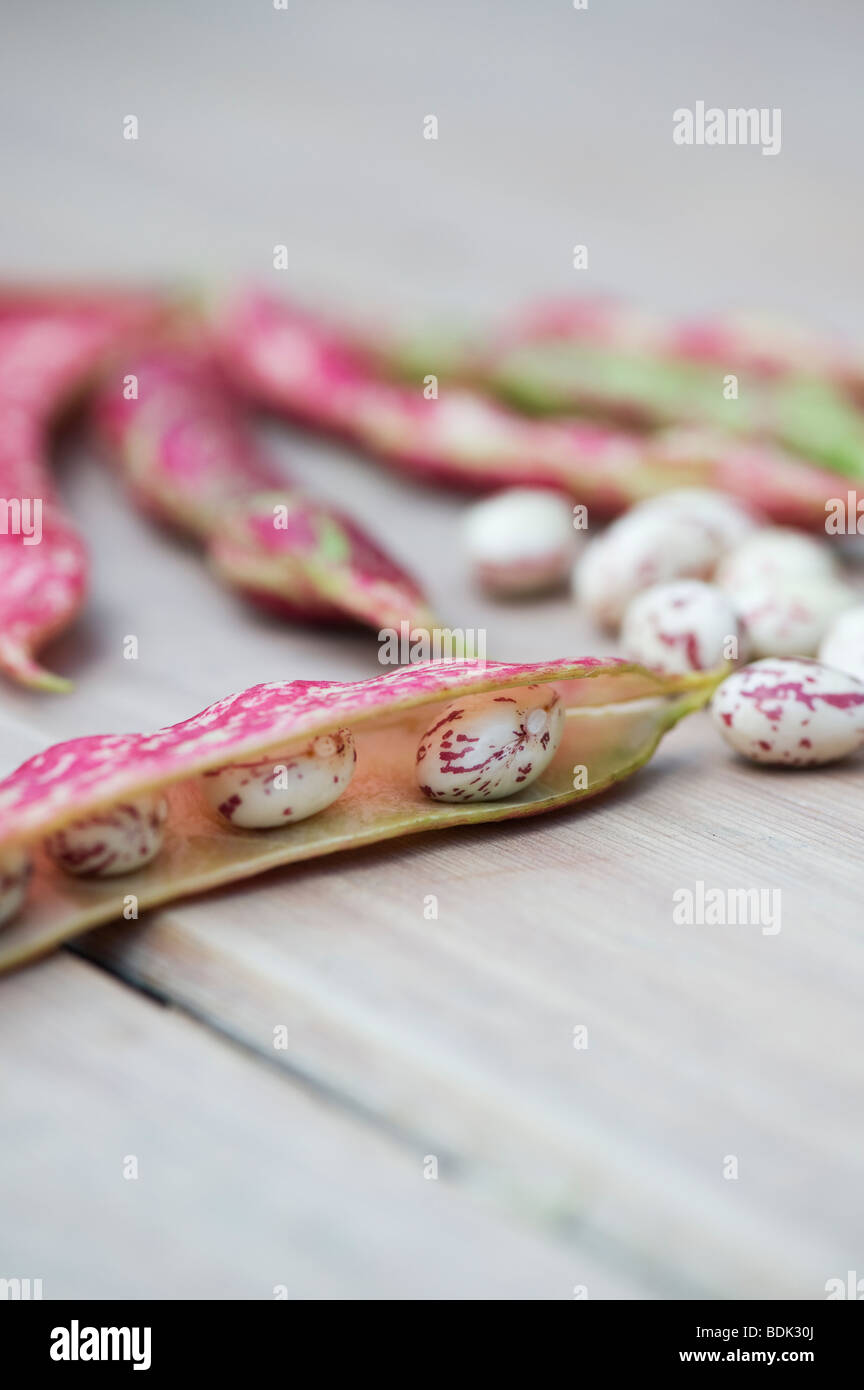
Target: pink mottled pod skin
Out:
[42,588]
[191,459]
[684,626]
[184,448]
[767,345]
[762,344]
[766,478]
[485,747]
[119,840]
[790,713]
[50,346]
[287,360]
[294,783]
[611,361]
[68,795]
[311,562]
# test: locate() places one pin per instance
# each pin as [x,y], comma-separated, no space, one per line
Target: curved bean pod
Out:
[190,458]
[611,362]
[762,345]
[49,346]
[288,361]
[614,715]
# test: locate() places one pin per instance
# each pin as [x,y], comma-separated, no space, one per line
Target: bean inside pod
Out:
[484,748]
[289,771]
[289,786]
[118,840]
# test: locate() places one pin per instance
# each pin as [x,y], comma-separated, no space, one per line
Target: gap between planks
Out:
[246,1181]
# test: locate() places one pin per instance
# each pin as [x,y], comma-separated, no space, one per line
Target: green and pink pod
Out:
[611,362]
[51,345]
[103,827]
[288,361]
[190,458]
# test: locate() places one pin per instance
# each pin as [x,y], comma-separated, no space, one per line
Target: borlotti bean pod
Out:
[190,458]
[290,361]
[51,344]
[106,826]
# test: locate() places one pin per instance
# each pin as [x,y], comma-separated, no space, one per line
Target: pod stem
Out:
[17,663]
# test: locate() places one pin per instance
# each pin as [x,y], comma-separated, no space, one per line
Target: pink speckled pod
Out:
[289,361]
[190,458]
[760,343]
[611,363]
[616,714]
[308,560]
[793,713]
[49,346]
[184,449]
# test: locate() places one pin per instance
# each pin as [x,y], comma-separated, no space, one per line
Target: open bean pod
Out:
[98,827]
[190,458]
[289,361]
[50,346]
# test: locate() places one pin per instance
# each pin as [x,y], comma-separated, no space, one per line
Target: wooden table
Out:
[561,1170]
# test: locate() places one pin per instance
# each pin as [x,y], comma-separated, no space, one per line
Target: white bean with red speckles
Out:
[486,747]
[520,541]
[291,785]
[119,840]
[15,871]
[843,643]
[791,713]
[641,549]
[790,618]
[773,556]
[684,626]
[727,521]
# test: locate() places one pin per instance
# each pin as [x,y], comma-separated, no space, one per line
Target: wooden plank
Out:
[551,925]
[458,1032]
[704,1041]
[247,1179]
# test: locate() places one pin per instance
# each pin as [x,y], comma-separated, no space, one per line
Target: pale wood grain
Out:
[247,1179]
[703,1041]
[305,127]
